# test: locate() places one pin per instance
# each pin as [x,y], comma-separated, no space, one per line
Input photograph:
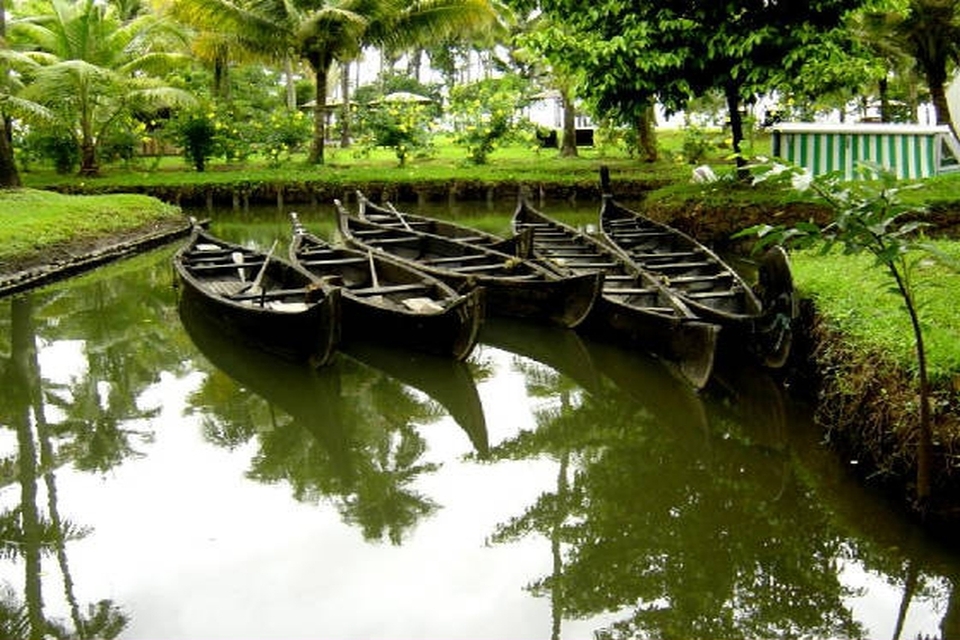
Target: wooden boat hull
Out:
[633,307]
[402,307]
[513,286]
[707,285]
[390,216]
[288,315]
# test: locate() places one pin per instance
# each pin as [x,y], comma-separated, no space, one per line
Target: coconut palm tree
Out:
[323,32]
[930,31]
[90,68]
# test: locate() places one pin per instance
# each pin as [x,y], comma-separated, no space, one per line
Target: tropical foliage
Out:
[89,68]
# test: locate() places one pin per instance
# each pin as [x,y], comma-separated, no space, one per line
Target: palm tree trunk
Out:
[290,86]
[345,107]
[319,112]
[23,357]
[221,72]
[9,176]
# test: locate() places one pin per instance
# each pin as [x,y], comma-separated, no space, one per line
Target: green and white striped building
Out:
[909,150]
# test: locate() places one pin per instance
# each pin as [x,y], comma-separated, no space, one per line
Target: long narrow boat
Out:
[709,286]
[259,298]
[513,286]
[388,301]
[633,307]
[388,215]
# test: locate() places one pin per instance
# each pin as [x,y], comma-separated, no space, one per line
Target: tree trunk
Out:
[88,158]
[884,91]
[23,357]
[9,176]
[732,93]
[290,85]
[646,127]
[221,72]
[939,98]
[345,107]
[319,112]
[568,148]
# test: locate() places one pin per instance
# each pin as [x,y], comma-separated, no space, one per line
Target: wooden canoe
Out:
[633,307]
[513,286]
[387,301]
[388,215]
[710,287]
[259,298]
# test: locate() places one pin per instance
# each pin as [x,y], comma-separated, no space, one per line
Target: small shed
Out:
[909,150]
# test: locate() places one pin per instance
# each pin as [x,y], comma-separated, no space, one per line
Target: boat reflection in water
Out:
[348,431]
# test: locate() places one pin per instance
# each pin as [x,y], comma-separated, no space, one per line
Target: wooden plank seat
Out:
[469,239]
[224,266]
[273,294]
[573,253]
[463,258]
[393,240]
[224,258]
[590,264]
[478,267]
[713,277]
[628,290]
[679,265]
[317,251]
[722,293]
[333,261]
[665,255]
[393,288]
[620,236]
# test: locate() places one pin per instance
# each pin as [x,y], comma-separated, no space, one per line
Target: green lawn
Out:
[855,295]
[31,220]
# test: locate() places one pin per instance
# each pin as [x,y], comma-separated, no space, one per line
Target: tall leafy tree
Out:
[673,50]
[323,33]
[91,68]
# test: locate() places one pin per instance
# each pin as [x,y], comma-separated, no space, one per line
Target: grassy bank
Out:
[33,220]
[854,295]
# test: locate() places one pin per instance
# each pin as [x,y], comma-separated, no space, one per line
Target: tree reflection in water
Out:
[27,532]
[701,556]
[344,433]
[672,513]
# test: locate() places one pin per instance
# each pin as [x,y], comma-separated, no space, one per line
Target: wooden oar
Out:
[255,285]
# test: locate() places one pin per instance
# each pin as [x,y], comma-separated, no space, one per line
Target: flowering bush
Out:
[283,134]
[405,127]
[485,114]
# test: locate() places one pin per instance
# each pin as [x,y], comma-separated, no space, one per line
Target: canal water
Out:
[161,481]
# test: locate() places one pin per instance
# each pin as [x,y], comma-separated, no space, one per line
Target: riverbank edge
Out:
[864,404]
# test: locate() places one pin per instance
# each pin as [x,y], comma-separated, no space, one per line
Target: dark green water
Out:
[161,482]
